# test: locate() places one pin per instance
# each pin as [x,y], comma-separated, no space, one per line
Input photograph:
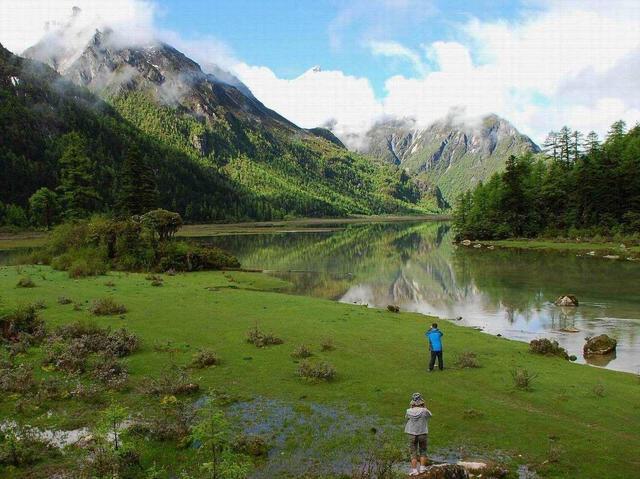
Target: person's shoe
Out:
[423,469]
[414,472]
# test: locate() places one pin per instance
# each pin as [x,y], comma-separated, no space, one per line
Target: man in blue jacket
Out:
[434,336]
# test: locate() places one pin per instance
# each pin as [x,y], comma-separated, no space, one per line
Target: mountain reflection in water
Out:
[415,266]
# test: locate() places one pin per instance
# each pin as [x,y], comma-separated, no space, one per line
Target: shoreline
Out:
[606,249]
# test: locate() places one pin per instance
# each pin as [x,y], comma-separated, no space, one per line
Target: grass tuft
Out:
[106,307]
[321,371]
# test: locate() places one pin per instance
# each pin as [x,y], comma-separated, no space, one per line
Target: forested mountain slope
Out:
[212,150]
[450,154]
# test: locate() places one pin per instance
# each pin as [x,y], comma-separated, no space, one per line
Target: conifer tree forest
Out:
[579,187]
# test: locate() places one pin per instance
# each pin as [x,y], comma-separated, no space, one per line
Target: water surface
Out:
[416,266]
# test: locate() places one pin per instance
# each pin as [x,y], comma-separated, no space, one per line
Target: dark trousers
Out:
[432,363]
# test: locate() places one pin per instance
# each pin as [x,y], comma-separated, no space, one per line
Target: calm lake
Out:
[415,265]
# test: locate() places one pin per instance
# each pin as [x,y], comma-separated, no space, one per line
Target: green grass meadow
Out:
[560,427]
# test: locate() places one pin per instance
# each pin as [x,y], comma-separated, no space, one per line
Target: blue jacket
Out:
[434,336]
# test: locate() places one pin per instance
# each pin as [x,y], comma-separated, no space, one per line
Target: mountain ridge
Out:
[451,154]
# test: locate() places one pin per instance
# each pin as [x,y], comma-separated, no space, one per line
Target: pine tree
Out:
[551,146]
[564,142]
[138,193]
[576,145]
[592,143]
[77,180]
[617,130]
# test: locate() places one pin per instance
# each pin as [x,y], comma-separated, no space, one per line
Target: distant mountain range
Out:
[451,155]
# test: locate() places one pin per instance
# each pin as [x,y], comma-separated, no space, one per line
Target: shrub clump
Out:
[327,345]
[64,300]
[321,371]
[21,446]
[523,378]
[23,321]
[301,352]
[172,381]
[205,358]
[261,339]
[111,372]
[106,307]
[119,343]
[467,359]
[140,243]
[15,378]
[255,446]
[25,282]
[548,348]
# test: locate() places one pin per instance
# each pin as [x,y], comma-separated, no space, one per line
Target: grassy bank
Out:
[30,239]
[594,248]
[577,421]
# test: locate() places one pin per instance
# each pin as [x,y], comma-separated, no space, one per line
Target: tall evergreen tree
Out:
[77,177]
[138,192]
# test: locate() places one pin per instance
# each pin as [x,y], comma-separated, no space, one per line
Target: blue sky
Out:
[292,36]
[541,64]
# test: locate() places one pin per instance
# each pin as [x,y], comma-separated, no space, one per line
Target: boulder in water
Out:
[599,345]
[567,300]
[466,242]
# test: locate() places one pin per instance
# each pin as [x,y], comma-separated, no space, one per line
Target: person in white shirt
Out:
[417,429]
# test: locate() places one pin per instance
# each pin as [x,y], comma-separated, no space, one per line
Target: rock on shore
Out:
[599,345]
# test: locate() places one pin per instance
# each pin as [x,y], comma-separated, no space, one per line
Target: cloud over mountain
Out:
[573,62]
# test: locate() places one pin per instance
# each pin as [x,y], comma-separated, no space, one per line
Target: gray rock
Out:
[599,345]
[567,300]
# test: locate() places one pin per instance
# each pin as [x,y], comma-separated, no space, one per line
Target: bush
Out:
[171,381]
[255,446]
[327,345]
[523,378]
[261,339]
[169,422]
[15,378]
[205,358]
[548,348]
[119,343]
[316,371]
[301,352]
[467,360]
[69,357]
[82,268]
[20,446]
[109,371]
[183,256]
[25,282]
[64,300]
[141,243]
[122,342]
[106,307]
[24,320]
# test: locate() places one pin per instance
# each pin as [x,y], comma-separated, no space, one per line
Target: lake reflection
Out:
[415,266]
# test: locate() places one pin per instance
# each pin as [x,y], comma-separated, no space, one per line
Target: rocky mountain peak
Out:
[451,153]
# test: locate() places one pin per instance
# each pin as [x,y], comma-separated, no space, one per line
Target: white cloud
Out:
[573,62]
[24,22]
[397,50]
[316,98]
